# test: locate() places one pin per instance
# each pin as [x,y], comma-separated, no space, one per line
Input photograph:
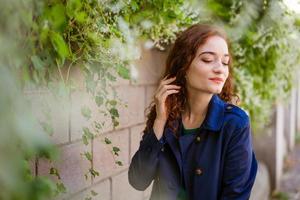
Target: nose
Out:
[219,67]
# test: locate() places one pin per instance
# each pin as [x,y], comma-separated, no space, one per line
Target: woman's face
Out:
[209,69]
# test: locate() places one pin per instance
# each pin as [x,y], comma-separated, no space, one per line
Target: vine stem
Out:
[60,73]
[68,72]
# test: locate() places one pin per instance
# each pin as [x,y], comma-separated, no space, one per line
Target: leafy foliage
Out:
[45,40]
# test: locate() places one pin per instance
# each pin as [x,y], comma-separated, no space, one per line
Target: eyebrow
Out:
[213,53]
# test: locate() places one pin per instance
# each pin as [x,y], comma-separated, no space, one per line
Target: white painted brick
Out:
[104,160]
[121,188]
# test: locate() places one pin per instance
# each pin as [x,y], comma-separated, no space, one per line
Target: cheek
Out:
[200,69]
[227,73]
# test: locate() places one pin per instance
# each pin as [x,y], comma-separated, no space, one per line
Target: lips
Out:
[216,79]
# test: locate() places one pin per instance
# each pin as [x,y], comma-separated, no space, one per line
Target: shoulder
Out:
[235,116]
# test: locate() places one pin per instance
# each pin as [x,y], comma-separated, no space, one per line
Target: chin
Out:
[217,91]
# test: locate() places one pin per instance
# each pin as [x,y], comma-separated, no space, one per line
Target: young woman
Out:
[196,145]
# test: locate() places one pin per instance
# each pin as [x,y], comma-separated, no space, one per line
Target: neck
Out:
[197,105]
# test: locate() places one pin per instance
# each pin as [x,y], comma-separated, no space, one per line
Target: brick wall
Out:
[67,122]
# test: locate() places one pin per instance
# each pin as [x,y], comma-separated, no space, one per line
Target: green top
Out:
[189,130]
[182,195]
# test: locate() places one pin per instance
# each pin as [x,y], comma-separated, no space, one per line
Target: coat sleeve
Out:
[143,166]
[240,166]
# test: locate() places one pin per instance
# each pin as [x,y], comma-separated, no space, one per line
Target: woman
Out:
[196,144]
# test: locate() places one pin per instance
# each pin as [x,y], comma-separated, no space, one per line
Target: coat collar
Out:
[215,114]
[213,122]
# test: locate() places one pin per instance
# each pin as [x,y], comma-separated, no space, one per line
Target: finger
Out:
[163,87]
[165,77]
[167,81]
[162,84]
[167,87]
[167,93]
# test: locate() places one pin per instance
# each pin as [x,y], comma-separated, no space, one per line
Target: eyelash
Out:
[208,61]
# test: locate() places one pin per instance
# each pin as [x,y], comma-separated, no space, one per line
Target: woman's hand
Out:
[163,91]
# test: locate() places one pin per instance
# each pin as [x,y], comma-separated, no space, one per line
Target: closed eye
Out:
[207,61]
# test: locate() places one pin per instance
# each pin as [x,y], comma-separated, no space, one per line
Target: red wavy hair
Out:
[178,61]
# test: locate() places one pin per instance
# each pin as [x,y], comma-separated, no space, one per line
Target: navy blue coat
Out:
[215,163]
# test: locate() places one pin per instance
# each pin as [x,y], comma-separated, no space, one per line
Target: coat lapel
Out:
[212,122]
[174,145]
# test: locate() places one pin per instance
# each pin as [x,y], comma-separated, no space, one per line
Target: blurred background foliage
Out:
[42,41]
[20,138]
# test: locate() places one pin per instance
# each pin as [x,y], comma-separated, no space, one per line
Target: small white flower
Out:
[149,44]
[133,72]
[146,24]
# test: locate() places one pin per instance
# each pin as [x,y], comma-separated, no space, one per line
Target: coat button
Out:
[198,171]
[229,107]
[162,149]
[198,139]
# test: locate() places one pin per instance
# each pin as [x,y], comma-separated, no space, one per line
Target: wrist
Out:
[160,121]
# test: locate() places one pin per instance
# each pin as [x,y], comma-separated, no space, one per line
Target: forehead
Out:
[214,44]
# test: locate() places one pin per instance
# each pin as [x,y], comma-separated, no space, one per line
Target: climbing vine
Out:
[101,39]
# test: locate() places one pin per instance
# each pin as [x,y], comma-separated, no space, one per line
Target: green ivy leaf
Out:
[94,193]
[110,77]
[107,141]
[38,64]
[114,112]
[81,17]
[73,6]
[61,188]
[116,150]
[98,125]
[123,72]
[47,128]
[115,123]
[88,133]
[59,45]
[88,156]
[54,171]
[93,172]
[119,163]
[99,100]
[85,140]
[112,102]
[56,17]
[86,112]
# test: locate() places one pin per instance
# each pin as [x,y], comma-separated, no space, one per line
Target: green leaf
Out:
[47,128]
[107,141]
[85,139]
[59,45]
[123,72]
[88,133]
[114,112]
[56,17]
[115,123]
[112,102]
[119,163]
[99,100]
[98,125]
[94,173]
[116,150]
[37,62]
[88,156]
[61,188]
[110,77]
[86,112]
[94,193]
[54,171]
[73,6]
[81,17]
